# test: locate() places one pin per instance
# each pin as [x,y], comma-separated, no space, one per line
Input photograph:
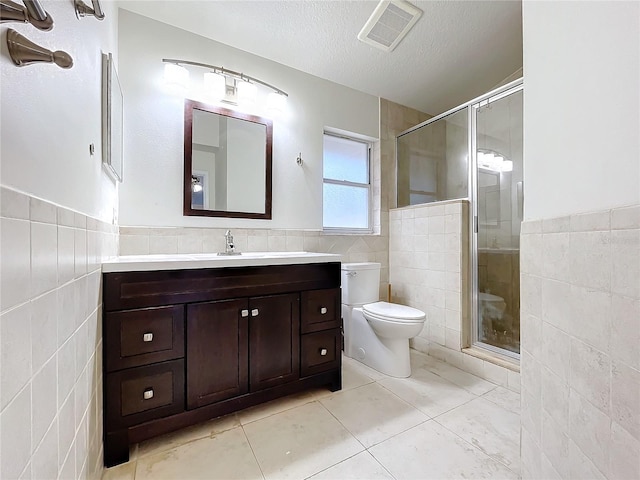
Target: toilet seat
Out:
[394,313]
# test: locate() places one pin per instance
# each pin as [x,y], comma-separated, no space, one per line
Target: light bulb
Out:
[215,85]
[276,102]
[197,188]
[176,76]
[247,92]
[507,166]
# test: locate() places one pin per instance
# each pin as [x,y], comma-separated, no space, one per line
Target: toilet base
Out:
[386,355]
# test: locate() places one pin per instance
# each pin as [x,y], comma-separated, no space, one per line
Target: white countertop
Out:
[189,261]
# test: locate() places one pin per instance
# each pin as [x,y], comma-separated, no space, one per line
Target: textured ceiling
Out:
[457,50]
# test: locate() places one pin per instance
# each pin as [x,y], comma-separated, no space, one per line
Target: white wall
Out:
[50,115]
[54,236]
[154,128]
[581,65]
[580,272]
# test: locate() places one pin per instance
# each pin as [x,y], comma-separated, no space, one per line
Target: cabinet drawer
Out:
[320,352]
[140,394]
[141,337]
[320,310]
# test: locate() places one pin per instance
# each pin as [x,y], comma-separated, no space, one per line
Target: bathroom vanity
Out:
[191,337]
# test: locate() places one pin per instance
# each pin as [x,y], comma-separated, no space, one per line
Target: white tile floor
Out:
[440,423]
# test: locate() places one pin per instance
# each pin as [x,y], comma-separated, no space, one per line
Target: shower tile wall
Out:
[580,345]
[51,349]
[429,258]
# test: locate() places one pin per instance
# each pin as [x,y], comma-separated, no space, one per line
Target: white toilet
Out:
[376,333]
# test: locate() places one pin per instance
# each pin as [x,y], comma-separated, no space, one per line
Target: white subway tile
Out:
[68,311]
[555,398]
[44,401]
[556,351]
[555,445]
[581,467]
[15,435]
[531,415]
[134,244]
[15,354]
[590,316]
[436,225]
[594,441]
[66,434]
[590,374]
[44,328]
[625,452]
[586,222]
[15,251]
[625,330]
[555,256]
[66,372]
[625,397]
[44,463]
[556,225]
[590,259]
[625,253]
[41,211]
[625,217]
[166,244]
[531,254]
[66,254]
[13,204]
[556,304]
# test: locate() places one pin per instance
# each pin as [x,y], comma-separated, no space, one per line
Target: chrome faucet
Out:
[229,248]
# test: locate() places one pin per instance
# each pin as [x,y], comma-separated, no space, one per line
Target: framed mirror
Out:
[227,163]
[112,113]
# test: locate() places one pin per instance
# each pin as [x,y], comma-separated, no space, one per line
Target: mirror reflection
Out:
[227,163]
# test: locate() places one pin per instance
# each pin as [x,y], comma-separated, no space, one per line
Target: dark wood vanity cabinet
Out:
[184,346]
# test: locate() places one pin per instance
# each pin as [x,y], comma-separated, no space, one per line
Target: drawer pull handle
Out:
[148,394]
[147,337]
[323,352]
[244,313]
[323,310]
[254,312]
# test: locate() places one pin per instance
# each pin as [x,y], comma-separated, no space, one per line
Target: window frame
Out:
[346,183]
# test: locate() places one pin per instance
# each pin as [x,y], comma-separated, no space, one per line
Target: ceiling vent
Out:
[389,23]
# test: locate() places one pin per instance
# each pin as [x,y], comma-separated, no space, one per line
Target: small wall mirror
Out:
[227,163]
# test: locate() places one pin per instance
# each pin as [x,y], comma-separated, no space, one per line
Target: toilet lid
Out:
[394,312]
[487,297]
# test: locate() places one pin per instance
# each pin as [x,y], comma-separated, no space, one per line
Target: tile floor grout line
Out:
[246,437]
[478,449]
[343,425]
[380,463]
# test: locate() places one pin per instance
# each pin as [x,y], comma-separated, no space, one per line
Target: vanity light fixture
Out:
[32,13]
[223,84]
[82,9]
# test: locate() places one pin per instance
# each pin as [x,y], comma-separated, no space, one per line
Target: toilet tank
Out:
[360,283]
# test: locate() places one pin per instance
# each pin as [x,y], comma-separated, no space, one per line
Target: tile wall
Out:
[580,285]
[50,339]
[429,270]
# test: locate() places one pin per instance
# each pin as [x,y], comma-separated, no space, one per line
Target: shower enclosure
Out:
[474,152]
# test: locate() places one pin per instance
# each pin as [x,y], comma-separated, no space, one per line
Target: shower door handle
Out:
[520,199]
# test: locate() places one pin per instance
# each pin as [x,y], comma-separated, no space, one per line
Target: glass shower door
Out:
[498,179]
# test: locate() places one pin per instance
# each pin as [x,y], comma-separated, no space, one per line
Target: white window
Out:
[347,184]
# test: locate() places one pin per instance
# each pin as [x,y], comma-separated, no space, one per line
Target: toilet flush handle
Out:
[351,274]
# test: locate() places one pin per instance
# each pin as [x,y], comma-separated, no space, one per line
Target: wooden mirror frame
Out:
[189,106]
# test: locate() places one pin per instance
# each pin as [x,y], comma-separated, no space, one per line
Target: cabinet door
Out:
[217,352]
[274,340]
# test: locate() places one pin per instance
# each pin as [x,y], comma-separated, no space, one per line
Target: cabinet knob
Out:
[147,337]
[148,394]
[323,310]
[244,313]
[254,312]
[323,352]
